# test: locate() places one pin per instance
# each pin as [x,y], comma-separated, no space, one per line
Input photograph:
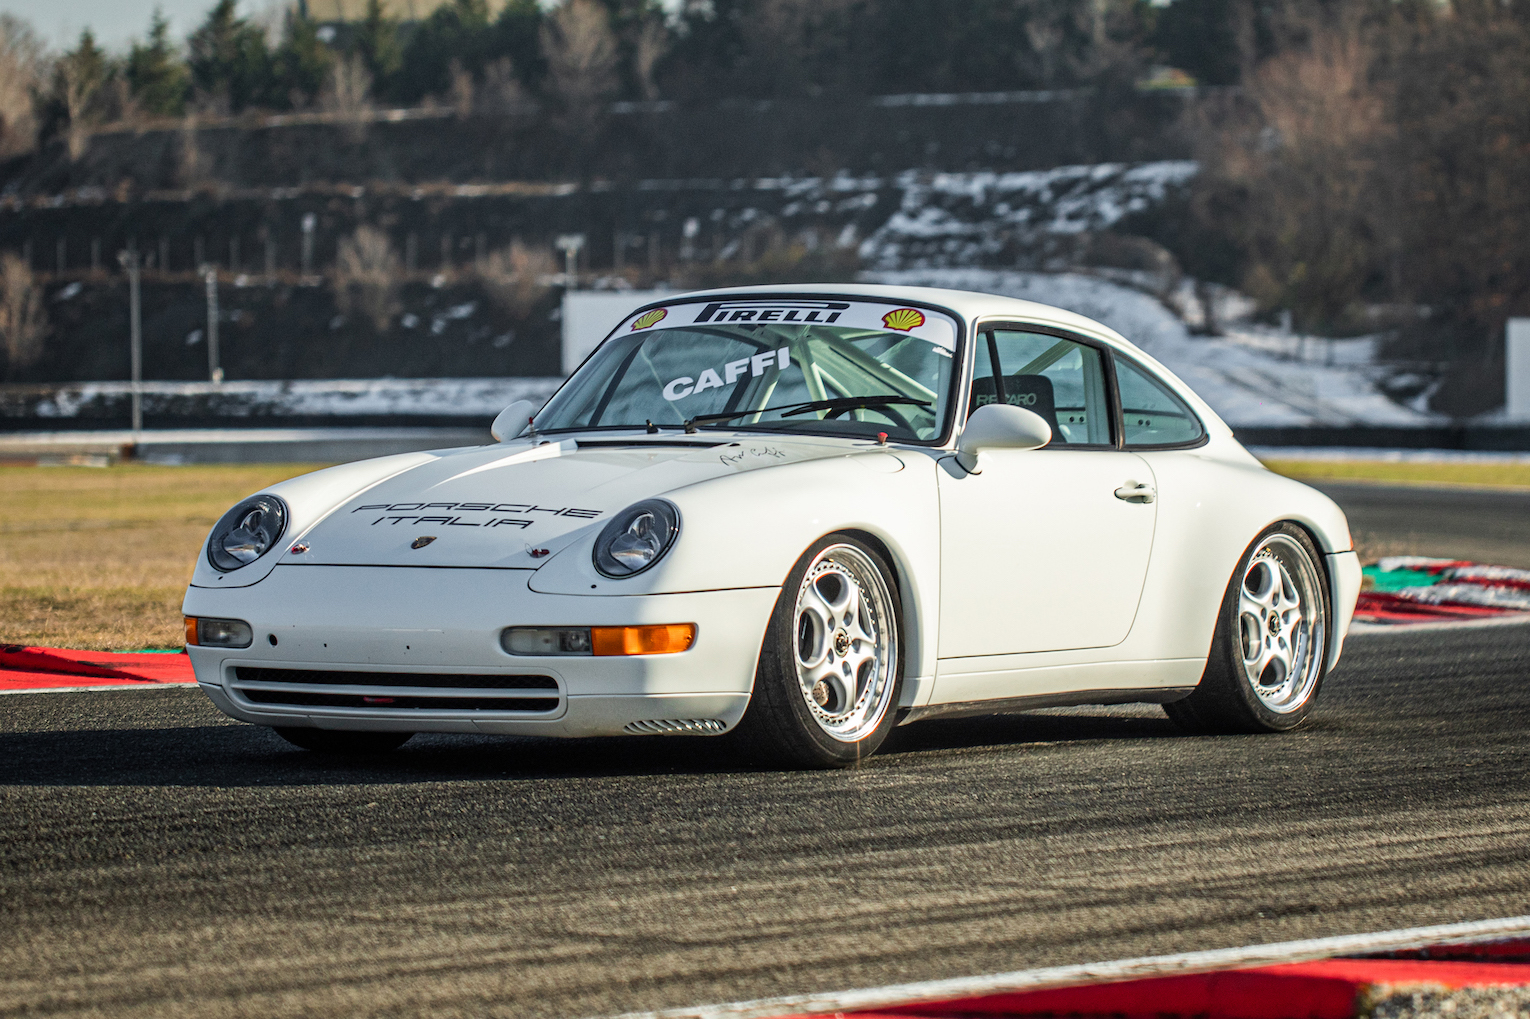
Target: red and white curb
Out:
[1310,979]
[1407,590]
[54,670]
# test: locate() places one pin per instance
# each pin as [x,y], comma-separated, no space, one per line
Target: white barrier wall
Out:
[588,315]
[1517,374]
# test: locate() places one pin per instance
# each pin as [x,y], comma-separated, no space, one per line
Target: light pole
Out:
[309,222]
[129,261]
[214,369]
[570,245]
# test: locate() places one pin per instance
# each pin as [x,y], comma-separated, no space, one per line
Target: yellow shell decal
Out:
[649,318]
[903,319]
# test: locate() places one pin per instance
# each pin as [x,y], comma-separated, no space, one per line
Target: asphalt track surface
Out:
[157,859]
[1480,524]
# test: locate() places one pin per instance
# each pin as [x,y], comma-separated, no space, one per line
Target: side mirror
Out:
[512,420]
[1000,426]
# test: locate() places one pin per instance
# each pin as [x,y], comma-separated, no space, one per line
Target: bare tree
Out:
[366,276]
[517,277]
[462,88]
[23,319]
[80,77]
[1046,38]
[347,88]
[1298,179]
[347,92]
[501,91]
[20,78]
[648,50]
[581,65]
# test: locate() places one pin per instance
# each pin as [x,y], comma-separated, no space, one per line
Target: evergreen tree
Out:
[377,43]
[456,33]
[516,33]
[1201,38]
[155,73]
[229,59]
[300,63]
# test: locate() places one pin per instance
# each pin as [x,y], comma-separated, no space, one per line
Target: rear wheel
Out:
[343,741]
[1270,648]
[830,674]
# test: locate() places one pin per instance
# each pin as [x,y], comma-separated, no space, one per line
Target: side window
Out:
[1150,413]
[1059,379]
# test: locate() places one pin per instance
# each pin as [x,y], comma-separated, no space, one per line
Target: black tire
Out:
[1229,698]
[343,741]
[779,727]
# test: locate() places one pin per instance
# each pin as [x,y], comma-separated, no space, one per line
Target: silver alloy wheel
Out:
[1282,626]
[844,634]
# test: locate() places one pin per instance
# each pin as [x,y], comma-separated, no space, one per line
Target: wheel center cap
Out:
[1274,623]
[841,643]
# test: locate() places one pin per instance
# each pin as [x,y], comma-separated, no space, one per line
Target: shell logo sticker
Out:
[903,319]
[650,318]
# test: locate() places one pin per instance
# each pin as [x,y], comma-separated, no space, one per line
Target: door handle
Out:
[1134,491]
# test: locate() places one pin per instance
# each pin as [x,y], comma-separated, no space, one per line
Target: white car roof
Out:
[971,304]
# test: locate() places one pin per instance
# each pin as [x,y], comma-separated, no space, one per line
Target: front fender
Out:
[749,529]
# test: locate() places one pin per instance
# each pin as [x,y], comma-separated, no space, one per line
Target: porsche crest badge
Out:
[422,541]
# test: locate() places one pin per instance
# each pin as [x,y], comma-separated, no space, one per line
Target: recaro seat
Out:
[1033,392]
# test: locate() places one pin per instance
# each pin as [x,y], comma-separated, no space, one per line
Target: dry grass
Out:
[1495,475]
[99,558]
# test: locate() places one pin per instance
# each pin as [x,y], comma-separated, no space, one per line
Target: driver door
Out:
[1047,549]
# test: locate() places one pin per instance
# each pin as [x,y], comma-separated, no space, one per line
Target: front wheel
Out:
[1270,649]
[342,741]
[831,668]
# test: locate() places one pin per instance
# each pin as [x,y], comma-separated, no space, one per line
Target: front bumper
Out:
[445,622]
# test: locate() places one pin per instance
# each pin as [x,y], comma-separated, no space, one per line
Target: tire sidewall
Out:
[1231,639]
[775,692]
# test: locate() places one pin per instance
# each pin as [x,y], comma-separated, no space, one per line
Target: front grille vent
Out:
[396,702]
[444,680]
[676,727]
[385,692]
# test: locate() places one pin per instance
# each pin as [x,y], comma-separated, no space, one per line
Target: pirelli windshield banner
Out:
[930,326]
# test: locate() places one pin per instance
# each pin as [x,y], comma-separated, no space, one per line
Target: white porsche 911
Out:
[804,515]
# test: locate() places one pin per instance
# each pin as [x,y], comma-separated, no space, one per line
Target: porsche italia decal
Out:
[393,514]
[649,318]
[759,364]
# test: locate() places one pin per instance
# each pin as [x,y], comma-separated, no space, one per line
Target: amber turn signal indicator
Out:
[218,632]
[664,639]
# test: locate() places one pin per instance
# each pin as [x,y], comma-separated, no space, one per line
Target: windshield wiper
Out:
[838,404]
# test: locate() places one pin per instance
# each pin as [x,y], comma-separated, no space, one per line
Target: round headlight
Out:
[247,532]
[636,538]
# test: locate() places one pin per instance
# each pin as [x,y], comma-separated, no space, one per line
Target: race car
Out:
[796,518]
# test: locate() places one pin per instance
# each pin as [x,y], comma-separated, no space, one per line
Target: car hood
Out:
[512,505]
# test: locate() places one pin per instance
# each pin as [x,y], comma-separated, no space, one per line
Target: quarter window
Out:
[1151,414]
[1059,379]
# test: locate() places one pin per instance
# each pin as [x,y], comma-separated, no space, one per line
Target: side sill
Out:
[1075,698]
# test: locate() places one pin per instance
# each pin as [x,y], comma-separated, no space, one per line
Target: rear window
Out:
[1151,415]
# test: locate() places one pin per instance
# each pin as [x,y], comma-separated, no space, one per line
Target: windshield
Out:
[820,367]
